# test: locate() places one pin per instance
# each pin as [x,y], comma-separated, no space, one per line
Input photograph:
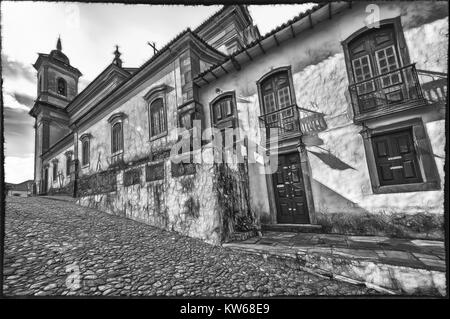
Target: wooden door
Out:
[45,184]
[290,191]
[396,158]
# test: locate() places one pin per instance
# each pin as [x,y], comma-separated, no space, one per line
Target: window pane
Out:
[218,110]
[387,62]
[228,109]
[269,102]
[284,98]
[85,154]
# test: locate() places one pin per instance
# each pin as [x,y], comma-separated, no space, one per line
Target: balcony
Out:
[292,121]
[387,93]
[281,123]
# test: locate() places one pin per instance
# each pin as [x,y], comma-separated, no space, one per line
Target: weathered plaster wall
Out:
[187,203]
[320,78]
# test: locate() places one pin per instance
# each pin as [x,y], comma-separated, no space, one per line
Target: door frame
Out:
[306,172]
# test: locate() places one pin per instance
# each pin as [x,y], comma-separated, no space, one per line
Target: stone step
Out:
[353,267]
[294,228]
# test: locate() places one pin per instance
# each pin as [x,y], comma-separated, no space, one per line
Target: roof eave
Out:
[266,42]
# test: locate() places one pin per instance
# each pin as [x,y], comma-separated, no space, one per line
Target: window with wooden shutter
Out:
[275,91]
[278,101]
[379,69]
[387,62]
[223,108]
[85,152]
[396,158]
[363,71]
[117,138]
[157,118]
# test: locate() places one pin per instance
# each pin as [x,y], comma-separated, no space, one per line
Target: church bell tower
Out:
[57,85]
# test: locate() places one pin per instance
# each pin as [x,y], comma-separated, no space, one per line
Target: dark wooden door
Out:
[396,159]
[290,191]
[45,183]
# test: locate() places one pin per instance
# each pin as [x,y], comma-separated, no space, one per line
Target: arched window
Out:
[378,68]
[85,152]
[117,138]
[62,87]
[157,118]
[276,92]
[373,53]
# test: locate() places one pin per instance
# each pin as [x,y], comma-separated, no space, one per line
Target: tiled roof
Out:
[208,20]
[267,35]
[159,53]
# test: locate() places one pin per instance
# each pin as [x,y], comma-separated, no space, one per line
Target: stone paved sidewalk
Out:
[54,247]
[406,265]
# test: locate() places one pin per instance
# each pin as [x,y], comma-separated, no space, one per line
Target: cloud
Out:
[18,132]
[24,99]
[19,169]
[16,69]
[11,102]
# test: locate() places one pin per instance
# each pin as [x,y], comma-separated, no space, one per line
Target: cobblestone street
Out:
[54,247]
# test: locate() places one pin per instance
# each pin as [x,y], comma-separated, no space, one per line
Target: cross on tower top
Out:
[153,45]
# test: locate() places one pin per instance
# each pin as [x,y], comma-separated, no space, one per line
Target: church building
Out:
[335,118]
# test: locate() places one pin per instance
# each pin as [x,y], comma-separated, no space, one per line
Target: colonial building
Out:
[338,113]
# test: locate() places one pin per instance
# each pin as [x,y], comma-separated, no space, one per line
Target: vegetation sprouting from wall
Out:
[231,187]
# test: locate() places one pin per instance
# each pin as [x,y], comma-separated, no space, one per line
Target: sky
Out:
[89,32]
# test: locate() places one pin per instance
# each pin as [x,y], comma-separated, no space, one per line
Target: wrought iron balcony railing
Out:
[385,91]
[292,120]
[281,122]
[434,85]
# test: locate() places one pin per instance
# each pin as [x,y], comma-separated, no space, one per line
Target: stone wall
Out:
[186,203]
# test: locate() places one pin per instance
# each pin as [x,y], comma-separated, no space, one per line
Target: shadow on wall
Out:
[332,161]
[330,198]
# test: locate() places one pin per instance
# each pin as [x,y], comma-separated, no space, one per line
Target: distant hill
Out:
[24,186]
